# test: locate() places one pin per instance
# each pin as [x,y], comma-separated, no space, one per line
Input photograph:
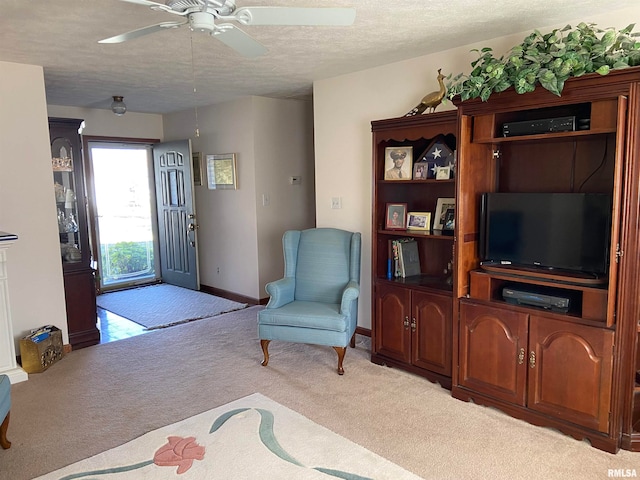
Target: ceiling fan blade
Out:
[294,16]
[123,37]
[240,41]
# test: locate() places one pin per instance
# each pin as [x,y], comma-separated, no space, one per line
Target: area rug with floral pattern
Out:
[253,437]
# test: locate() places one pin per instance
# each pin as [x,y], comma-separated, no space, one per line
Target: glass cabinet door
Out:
[64,155]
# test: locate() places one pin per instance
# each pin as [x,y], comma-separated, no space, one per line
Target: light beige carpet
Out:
[250,438]
[104,396]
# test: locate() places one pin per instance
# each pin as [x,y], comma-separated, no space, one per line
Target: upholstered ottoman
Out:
[5,406]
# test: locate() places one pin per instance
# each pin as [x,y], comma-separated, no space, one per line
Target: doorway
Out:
[125,230]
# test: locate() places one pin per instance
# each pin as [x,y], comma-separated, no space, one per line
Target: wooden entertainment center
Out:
[574,371]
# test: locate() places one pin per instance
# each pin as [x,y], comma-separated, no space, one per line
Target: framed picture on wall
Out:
[221,171]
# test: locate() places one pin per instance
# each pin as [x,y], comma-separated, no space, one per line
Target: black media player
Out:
[533,127]
[536,297]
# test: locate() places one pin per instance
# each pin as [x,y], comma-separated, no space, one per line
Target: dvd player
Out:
[532,127]
[544,299]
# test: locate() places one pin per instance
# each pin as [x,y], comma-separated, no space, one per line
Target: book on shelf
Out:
[409,259]
[404,258]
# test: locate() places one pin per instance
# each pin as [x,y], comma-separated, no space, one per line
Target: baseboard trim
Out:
[218,292]
[363,331]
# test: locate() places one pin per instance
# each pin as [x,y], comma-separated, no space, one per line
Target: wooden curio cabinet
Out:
[412,315]
[575,370]
[70,197]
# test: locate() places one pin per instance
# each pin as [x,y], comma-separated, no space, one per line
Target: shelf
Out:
[566,279]
[418,182]
[435,234]
[427,281]
[547,136]
[588,303]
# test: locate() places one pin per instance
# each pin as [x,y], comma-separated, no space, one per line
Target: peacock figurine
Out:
[431,100]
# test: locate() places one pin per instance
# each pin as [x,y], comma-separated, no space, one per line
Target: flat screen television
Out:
[561,231]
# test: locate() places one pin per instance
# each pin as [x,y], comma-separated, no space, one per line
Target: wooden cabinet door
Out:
[392,327]
[80,297]
[493,343]
[431,327]
[570,369]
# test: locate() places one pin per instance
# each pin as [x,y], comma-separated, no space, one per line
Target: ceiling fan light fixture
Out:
[118,106]
[202,22]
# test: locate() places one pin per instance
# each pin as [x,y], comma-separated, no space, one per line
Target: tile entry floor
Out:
[114,327]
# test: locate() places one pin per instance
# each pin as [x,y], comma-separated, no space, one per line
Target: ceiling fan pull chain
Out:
[193,76]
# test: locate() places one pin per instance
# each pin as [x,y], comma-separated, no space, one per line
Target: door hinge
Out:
[619,253]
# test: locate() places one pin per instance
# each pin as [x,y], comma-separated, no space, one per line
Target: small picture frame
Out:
[443,205]
[443,173]
[420,171]
[398,163]
[221,171]
[196,158]
[449,219]
[419,221]
[396,216]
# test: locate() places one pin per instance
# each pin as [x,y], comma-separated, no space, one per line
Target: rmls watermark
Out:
[622,473]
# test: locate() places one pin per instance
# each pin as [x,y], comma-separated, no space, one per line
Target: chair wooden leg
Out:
[265,349]
[3,432]
[340,351]
[352,344]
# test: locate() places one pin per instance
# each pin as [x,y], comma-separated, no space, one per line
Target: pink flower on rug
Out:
[179,452]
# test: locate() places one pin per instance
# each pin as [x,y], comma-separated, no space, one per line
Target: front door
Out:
[176,214]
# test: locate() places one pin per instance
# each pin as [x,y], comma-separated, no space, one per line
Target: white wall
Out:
[27,202]
[284,148]
[272,140]
[344,108]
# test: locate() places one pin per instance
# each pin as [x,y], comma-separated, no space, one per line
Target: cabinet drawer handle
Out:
[532,359]
[413,325]
[521,356]
[406,323]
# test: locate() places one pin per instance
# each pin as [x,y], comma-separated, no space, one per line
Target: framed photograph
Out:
[398,163]
[419,221]
[420,170]
[443,173]
[443,205]
[449,219]
[221,171]
[196,157]
[396,216]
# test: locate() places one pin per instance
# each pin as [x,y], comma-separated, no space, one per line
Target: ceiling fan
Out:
[204,15]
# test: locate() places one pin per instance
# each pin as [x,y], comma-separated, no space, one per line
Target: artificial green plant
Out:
[548,60]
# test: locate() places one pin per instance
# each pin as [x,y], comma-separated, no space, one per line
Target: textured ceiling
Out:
[155,73]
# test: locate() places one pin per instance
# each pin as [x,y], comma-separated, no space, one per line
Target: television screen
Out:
[567,231]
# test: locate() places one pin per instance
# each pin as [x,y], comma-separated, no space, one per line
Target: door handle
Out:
[532,359]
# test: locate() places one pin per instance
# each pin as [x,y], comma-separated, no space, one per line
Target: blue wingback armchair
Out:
[317,300]
[5,407]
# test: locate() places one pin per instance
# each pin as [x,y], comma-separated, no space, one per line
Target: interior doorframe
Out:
[89,184]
